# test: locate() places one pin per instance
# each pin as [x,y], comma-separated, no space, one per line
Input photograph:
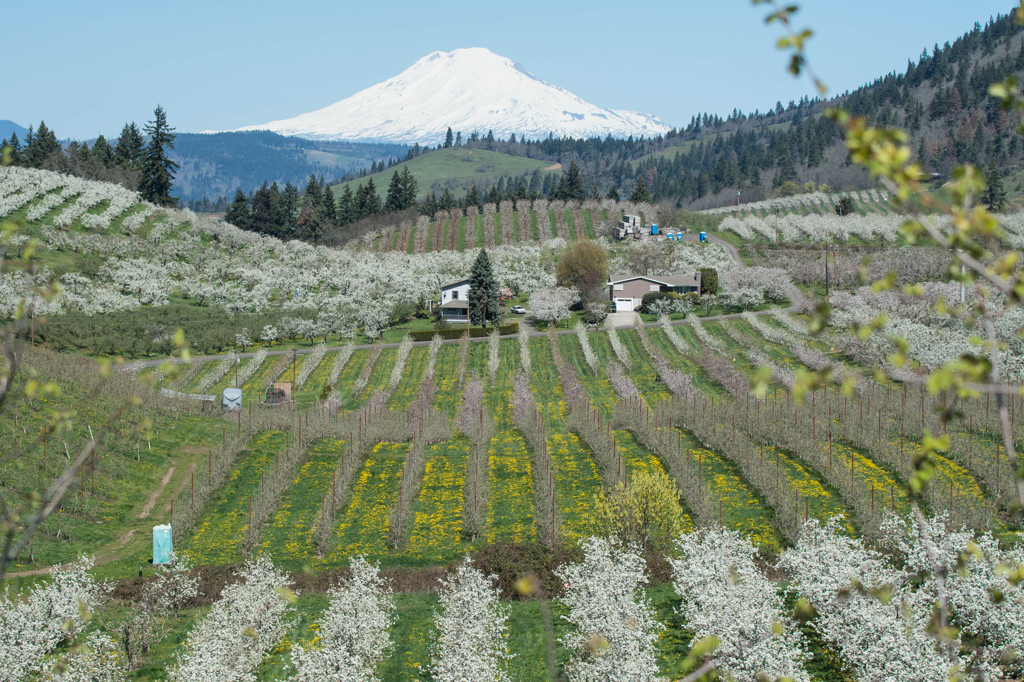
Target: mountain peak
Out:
[468,89]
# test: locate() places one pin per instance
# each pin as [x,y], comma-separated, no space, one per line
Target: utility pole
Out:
[826,269]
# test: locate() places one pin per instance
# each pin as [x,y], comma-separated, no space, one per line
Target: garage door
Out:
[623,305]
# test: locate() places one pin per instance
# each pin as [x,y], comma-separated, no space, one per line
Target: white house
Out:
[455,301]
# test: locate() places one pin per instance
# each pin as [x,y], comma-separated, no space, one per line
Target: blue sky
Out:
[88,67]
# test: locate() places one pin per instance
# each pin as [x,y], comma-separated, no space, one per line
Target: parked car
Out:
[518,310]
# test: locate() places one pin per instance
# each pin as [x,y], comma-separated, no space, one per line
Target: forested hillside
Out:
[941,100]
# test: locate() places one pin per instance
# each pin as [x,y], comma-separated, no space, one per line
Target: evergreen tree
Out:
[394,199]
[613,193]
[447,201]
[157,169]
[41,145]
[328,207]
[128,148]
[572,188]
[102,152]
[640,193]
[409,188]
[267,217]
[472,196]
[815,155]
[82,152]
[448,138]
[238,212]
[289,208]
[429,205]
[15,145]
[786,172]
[483,292]
[346,206]
[311,196]
[366,200]
[995,194]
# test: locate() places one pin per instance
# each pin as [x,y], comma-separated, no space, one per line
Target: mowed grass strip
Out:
[460,236]
[380,373]
[412,376]
[350,373]
[436,535]
[446,373]
[251,387]
[577,479]
[534,227]
[642,372]
[588,224]
[597,385]
[510,477]
[288,540]
[190,387]
[219,534]
[311,391]
[740,508]
[363,527]
[480,237]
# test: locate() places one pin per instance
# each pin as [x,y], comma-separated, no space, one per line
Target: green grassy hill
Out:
[452,168]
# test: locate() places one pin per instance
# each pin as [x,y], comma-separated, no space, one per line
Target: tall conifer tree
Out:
[157,169]
[483,292]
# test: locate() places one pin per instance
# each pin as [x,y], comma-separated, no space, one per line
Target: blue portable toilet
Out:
[163,546]
[703,236]
[654,229]
[671,236]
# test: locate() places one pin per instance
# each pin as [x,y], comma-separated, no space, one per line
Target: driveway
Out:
[621,319]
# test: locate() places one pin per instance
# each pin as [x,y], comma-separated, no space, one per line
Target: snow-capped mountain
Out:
[469,89]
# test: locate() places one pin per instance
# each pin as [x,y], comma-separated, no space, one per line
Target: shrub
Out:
[650,298]
[708,281]
[845,205]
[474,332]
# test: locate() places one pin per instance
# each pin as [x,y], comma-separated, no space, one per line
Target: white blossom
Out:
[53,612]
[471,629]
[242,626]
[552,305]
[866,607]
[352,637]
[614,629]
[98,659]
[725,595]
[588,352]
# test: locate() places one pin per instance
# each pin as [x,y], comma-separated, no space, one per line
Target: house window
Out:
[455,295]
[617,287]
[655,287]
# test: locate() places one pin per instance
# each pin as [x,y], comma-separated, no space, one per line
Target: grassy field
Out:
[455,168]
